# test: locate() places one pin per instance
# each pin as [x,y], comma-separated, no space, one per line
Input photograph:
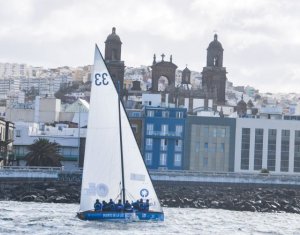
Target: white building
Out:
[14,70]
[69,139]
[45,85]
[7,86]
[267,143]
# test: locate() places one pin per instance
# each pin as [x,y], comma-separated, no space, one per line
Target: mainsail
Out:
[102,177]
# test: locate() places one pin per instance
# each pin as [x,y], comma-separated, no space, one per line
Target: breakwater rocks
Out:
[239,197]
[57,192]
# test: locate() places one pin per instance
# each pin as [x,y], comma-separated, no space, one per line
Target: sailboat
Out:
[113,165]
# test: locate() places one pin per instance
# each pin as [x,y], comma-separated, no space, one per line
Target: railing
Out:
[30,168]
[165,133]
[225,174]
[160,174]
[32,173]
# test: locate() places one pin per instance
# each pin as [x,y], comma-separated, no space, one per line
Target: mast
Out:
[121,145]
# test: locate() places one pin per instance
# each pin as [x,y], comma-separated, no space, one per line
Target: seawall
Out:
[224,195]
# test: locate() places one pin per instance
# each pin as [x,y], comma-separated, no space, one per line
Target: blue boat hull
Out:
[125,216]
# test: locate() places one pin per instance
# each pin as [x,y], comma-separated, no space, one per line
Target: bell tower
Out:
[214,74]
[113,58]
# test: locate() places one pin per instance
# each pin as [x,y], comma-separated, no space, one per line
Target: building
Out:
[267,144]
[164,130]
[69,139]
[6,140]
[43,110]
[136,119]
[14,70]
[7,86]
[45,85]
[209,144]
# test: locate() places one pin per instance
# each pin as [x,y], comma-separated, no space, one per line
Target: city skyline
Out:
[259,38]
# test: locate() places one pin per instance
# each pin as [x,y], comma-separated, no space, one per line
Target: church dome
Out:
[113,36]
[215,43]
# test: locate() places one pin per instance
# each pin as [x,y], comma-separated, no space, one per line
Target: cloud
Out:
[260,37]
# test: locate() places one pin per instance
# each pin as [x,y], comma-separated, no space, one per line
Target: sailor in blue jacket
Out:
[105,206]
[127,207]
[112,205]
[136,205]
[98,205]
[119,206]
[141,205]
[147,205]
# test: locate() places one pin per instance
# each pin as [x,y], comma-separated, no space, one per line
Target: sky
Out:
[261,38]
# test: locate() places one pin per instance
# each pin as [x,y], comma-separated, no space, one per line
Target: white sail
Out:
[102,175]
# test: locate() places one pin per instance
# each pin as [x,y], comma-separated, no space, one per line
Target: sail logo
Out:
[96,189]
[144,192]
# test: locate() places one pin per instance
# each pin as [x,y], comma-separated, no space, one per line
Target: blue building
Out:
[164,137]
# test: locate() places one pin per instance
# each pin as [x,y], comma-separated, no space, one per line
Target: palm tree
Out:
[43,153]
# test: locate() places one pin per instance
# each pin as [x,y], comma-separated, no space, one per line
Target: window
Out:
[179,114]
[136,114]
[150,113]
[214,132]
[206,131]
[18,133]
[205,161]
[221,132]
[179,130]
[258,148]
[134,128]
[149,143]
[150,129]
[245,149]
[163,159]
[163,144]
[297,152]
[178,145]
[165,114]
[222,147]
[197,147]
[177,159]
[285,150]
[206,147]
[164,129]
[271,162]
[148,159]
[213,148]
[285,133]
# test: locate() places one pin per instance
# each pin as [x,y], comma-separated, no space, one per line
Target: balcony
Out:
[164,134]
[178,148]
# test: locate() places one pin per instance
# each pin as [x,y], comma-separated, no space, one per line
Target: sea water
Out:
[50,218]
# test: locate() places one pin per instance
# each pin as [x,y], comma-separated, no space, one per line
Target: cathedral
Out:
[213,74]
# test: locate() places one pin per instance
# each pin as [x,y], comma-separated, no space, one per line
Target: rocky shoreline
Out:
[239,197]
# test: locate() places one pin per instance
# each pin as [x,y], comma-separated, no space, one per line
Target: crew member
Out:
[127,207]
[112,205]
[119,206]
[98,205]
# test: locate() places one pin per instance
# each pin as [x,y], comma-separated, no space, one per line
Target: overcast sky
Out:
[261,38]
